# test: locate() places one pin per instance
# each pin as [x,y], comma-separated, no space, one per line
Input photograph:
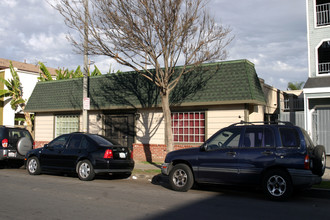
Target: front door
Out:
[120,128]
[51,156]
[218,163]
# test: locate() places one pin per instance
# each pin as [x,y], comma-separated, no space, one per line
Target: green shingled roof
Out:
[229,82]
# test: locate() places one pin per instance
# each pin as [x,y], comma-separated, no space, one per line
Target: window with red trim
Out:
[188,127]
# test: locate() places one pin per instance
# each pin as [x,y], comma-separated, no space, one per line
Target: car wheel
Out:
[85,170]
[319,160]
[181,178]
[33,166]
[277,185]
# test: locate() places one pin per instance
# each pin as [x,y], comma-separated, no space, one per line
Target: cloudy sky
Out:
[270,33]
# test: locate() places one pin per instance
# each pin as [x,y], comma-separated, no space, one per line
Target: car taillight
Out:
[306,162]
[108,154]
[33,145]
[5,143]
[132,154]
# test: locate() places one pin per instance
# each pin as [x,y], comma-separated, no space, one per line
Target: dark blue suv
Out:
[277,157]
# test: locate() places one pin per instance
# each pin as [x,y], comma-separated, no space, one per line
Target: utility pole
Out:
[86,100]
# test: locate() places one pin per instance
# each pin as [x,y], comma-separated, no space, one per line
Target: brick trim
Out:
[153,152]
[39,144]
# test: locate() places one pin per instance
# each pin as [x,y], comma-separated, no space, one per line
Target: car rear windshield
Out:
[103,141]
[18,133]
[2,133]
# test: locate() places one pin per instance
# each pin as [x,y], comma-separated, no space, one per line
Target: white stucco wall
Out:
[44,127]
[28,80]
[150,126]
[220,117]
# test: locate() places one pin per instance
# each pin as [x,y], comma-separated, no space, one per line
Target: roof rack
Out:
[262,122]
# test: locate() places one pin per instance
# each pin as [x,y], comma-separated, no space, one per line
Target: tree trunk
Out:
[27,119]
[28,122]
[167,119]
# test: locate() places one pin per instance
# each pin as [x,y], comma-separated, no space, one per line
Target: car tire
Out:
[277,185]
[319,160]
[24,145]
[181,178]
[33,166]
[85,170]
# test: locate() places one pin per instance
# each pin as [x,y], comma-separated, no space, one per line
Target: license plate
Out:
[11,154]
[122,155]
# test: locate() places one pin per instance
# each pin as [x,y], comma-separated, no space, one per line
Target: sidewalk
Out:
[147,170]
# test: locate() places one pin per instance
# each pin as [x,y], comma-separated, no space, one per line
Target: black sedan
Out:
[81,153]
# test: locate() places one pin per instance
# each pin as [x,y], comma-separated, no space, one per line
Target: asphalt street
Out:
[50,196]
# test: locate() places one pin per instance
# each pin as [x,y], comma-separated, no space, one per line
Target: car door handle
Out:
[232,153]
[267,152]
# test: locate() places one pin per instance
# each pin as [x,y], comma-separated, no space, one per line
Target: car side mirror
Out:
[46,146]
[203,147]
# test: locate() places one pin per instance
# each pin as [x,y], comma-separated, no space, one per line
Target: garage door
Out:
[321,128]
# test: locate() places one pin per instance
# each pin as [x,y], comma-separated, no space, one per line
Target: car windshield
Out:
[224,139]
[103,141]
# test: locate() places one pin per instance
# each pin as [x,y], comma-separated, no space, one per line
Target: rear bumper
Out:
[6,154]
[116,166]
[113,170]
[304,177]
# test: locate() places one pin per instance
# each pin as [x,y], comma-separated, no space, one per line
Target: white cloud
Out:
[271,34]
[9,3]
[43,42]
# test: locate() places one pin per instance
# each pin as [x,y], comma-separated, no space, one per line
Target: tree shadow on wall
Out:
[131,91]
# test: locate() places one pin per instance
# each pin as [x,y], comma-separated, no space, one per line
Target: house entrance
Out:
[120,128]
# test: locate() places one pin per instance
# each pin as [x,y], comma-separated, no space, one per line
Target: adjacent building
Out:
[317,88]
[28,74]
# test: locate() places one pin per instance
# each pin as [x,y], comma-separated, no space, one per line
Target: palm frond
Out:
[96,71]
[6,82]
[4,93]
[78,73]
[45,73]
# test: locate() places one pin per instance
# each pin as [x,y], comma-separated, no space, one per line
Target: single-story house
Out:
[126,107]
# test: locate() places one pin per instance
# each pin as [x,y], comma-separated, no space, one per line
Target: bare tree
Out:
[155,34]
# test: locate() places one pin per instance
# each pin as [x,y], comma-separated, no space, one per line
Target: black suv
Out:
[276,156]
[15,143]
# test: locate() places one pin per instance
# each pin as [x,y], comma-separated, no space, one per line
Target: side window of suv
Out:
[289,137]
[258,137]
[228,138]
